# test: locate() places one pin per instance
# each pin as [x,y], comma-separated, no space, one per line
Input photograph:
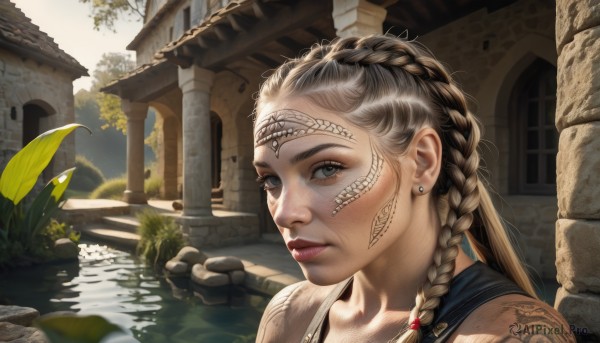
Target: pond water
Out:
[149,306]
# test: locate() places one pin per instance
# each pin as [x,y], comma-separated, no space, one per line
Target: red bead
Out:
[416,324]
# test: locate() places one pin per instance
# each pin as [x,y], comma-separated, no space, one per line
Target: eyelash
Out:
[263,179]
[338,166]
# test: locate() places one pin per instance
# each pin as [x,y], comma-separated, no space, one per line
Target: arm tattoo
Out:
[535,324]
[285,125]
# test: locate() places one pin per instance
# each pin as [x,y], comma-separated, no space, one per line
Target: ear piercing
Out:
[421,189]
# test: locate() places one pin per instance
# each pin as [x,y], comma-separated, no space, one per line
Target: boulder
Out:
[204,277]
[18,315]
[65,249]
[223,264]
[177,267]
[237,277]
[190,255]
[16,333]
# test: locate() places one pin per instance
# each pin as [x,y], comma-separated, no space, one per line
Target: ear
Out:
[426,150]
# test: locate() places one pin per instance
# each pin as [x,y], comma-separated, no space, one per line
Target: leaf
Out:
[22,171]
[46,203]
[72,328]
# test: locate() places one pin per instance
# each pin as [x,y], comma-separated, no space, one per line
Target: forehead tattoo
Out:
[285,125]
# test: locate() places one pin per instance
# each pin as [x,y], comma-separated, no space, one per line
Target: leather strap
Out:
[313,332]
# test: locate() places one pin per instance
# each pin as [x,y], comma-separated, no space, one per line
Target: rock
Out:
[65,249]
[177,205]
[19,334]
[223,264]
[577,177]
[190,255]
[581,312]
[18,315]
[577,257]
[177,267]
[204,277]
[237,277]
[577,79]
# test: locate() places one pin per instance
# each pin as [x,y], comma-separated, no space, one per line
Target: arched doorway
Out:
[35,122]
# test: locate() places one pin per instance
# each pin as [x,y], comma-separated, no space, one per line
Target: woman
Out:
[368,155]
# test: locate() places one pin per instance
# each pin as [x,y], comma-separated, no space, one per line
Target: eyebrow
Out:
[314,150]
[304,154]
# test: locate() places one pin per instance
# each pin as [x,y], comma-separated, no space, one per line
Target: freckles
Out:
[362,185]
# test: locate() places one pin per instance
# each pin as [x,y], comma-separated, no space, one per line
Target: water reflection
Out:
[151,307]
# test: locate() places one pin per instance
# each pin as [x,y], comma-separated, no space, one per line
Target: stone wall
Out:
[486,53]
[578,163]
[24,81]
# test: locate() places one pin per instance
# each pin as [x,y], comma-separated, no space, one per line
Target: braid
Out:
[352,75]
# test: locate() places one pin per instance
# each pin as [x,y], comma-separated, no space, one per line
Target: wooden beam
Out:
[290,18]
[223,32]
[241,23]
[262,10]
[318,34]
[291,44]
[204,42]
[178,59]
[269,62]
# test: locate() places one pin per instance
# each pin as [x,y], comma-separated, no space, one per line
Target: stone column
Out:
[578,166]
[136,114]
[195,83]
[357,18]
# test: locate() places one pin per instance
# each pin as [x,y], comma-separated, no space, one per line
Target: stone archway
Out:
[36,120]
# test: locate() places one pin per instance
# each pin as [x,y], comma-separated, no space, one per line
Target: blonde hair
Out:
[392,88]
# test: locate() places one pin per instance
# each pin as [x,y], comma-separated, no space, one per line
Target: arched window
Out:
[535,142]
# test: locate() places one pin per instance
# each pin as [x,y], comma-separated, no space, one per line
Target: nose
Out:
[292,209]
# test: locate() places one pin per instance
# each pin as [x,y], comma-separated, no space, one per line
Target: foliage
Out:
[152,187]
[21,226]
[87,176]
[52,232]
[73,328]
[110,189]
[111,66]
[106,12]
[114,188]
[160,237]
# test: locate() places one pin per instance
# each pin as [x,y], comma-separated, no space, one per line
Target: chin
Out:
[321,276]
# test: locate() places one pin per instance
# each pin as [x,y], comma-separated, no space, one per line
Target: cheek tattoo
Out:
[383,219]
[273,129]
[362,185]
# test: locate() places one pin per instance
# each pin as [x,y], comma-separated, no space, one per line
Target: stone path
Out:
[267,262]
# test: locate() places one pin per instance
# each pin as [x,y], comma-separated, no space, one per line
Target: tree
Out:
[106,12]
[112,66]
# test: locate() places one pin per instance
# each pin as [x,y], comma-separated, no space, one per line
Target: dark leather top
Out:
[470,289]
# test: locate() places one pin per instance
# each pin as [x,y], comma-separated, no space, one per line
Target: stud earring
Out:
[421,189]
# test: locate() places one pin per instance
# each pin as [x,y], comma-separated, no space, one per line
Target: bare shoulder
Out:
[290,311]
[514,318]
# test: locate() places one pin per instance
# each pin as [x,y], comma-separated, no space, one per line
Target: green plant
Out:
[87,176]
[21,225]
[52,232]
[160,237]
[110,189]
[114,188]
[152,187]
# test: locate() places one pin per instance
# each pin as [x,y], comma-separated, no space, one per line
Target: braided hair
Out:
[393,87]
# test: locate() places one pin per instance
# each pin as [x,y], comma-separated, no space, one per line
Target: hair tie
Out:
[416,324]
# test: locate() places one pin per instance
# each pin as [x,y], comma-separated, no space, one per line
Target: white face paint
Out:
[333,198]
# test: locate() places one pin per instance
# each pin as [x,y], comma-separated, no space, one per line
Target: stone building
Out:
[36,87]
[200,62]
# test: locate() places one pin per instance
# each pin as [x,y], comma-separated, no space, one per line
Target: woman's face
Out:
[337,203]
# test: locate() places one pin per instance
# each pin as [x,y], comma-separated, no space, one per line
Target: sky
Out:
[69,23]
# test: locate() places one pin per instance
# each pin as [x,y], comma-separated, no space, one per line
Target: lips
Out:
[303,251]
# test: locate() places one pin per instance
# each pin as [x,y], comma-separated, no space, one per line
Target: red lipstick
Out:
[303,251]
